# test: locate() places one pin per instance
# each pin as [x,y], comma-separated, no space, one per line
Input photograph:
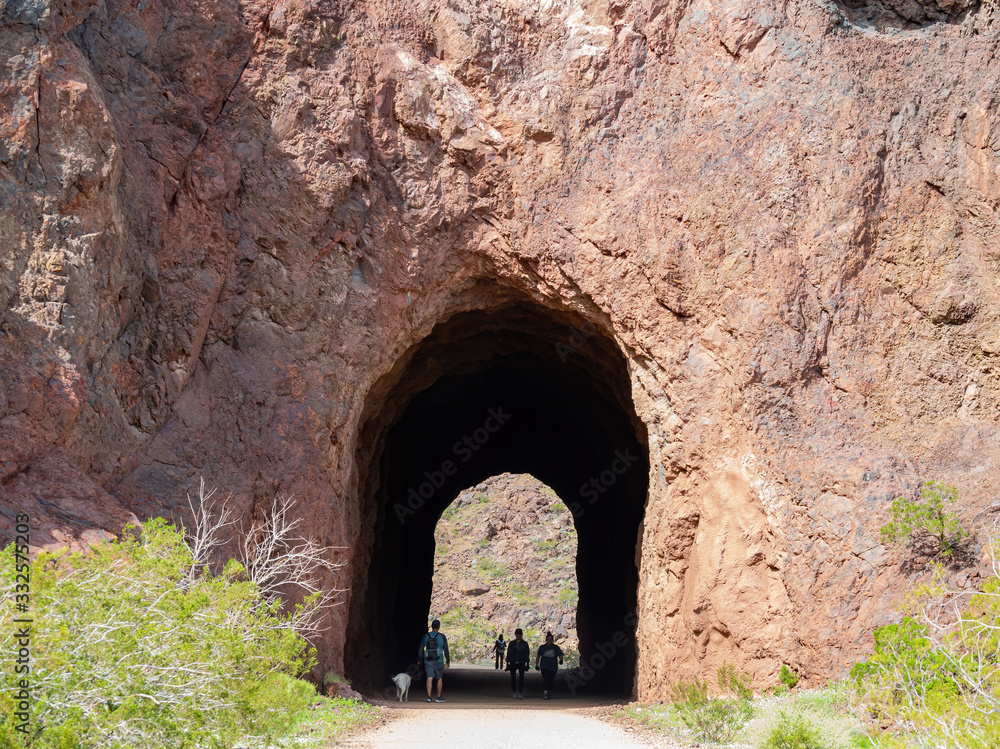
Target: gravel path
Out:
[494,728]
[479,713]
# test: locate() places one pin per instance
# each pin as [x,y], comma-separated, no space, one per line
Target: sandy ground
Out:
[479,712]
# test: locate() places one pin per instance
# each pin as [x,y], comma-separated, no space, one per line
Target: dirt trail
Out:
[480,712]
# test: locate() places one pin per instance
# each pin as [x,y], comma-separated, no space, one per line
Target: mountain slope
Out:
[505,558]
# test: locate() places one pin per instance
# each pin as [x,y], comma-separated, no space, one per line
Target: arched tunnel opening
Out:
[505,557]
[517,388]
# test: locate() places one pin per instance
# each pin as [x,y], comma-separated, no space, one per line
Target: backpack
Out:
[431,650]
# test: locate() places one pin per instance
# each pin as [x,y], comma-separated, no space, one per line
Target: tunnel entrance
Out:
[517,388]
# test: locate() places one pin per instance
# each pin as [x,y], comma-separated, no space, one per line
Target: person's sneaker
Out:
[520,696]
[439,699]
[428,699]
[514,695]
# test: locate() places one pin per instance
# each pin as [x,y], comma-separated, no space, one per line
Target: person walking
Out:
[435,658]
[499,649]
[518,657]
[548,660]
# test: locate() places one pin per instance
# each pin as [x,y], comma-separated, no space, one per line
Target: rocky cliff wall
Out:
[225,227]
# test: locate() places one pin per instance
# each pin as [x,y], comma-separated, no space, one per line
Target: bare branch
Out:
[207,527]
[277,560]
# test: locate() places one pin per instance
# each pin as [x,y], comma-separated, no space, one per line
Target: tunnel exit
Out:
[505,558]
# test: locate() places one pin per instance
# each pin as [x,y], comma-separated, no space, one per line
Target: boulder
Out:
[469,587]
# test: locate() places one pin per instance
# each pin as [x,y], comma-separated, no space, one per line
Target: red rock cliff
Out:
[227,227]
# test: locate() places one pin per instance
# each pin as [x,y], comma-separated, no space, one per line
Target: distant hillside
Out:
[506,555]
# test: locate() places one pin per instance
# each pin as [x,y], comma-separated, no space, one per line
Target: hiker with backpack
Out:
[499,650]
[435,658]
[518,661]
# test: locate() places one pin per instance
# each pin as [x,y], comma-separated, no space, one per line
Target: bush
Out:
[733,681]
[128,651]
[326,719]
[927,520]
[470,639]
[794,732]
[716,720]
[719,720]
[546,546]
[567,595]
[139,644]
[492,569]
[332,677]
[788,677]
[934,678]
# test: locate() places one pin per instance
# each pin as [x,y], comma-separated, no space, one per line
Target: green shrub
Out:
[470,639]
[934,678]
[545,546]
[926,520]
[693,694]
[521,594]
[138,644]
[788,677]
[733,681]
[493,570]
[794,732]
[719,719]
[657,716]
[325,719]
[567,595]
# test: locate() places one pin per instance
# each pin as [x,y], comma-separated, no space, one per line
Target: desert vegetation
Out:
[728,713]
[152,640]
[927,524]
[934,678]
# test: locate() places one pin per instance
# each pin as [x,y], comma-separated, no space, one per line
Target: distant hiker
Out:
[548,655]
[432,647]
[499,648]
[518,656]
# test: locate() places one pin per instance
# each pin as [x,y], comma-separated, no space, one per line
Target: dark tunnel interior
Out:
[521,389]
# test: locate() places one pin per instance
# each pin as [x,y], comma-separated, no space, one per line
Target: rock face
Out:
[239,239]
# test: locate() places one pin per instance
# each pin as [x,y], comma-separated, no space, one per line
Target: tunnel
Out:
[518,387]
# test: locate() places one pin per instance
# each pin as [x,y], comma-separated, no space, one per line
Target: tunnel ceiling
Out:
[519,388]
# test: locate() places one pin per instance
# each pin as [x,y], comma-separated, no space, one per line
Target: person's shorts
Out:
[434,669]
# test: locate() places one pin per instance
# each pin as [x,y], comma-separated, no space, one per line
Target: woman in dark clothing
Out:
[518,657]
[547,661]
